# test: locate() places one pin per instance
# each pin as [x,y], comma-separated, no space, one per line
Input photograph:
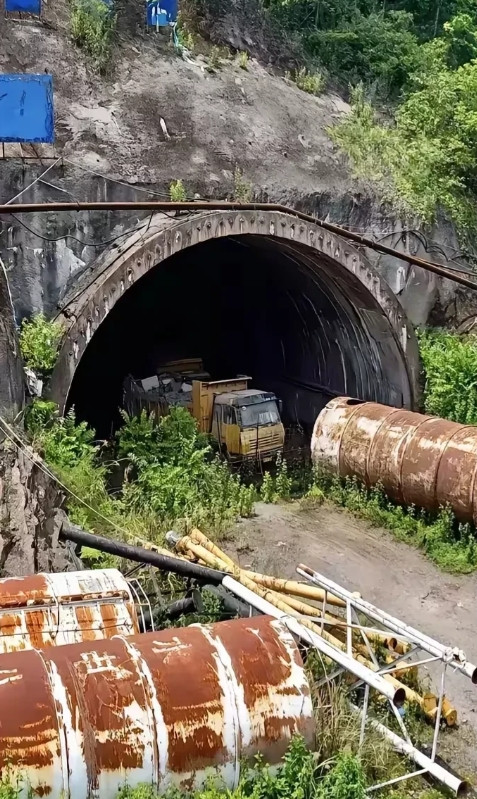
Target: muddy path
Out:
[393,575]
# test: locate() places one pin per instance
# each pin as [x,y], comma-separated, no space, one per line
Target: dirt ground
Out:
[396,577]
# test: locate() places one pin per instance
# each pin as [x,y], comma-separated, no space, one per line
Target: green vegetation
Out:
[416,61]
[177,192]
[39,343]
[243,191]
[93,24]
[450,544]
[243,59]
[450,370]
[310,82]
[297,778]
[171,475]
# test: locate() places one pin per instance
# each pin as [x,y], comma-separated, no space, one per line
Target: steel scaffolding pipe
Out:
[417,459]
[396,695]
[455,784]
[445,653]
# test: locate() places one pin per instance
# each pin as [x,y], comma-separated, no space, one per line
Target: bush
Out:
[177,192]
[92,27]
[345,780]
[310,82]
[377,48]
[426,160]
[450,370]
[176,476]
[39,343]
[243,191]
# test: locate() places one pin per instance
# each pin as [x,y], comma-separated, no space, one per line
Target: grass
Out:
[448,543]
[309,82]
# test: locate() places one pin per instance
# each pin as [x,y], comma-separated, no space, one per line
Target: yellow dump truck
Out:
[246,422]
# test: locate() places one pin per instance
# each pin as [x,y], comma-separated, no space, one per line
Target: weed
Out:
[243,191]
[267,490]
[283,481]
[185,36]
[310,82]
[92,28]
[449,544]
[172,476]
[39,343]
[449,363]
[40,415]
[215,61]
[177,192]
[243,59]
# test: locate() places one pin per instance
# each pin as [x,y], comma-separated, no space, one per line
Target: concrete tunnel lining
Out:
[303,311]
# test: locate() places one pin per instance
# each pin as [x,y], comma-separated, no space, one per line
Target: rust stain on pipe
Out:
[51,609]
[418,459]
[170,709]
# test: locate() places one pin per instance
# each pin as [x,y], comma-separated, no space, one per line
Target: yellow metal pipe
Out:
[427,704]
[294,588]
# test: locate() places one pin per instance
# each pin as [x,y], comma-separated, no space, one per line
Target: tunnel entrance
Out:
[294,319]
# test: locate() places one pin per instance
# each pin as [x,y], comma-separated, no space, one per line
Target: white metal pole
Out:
[396,696]
[455,784]
[424,641]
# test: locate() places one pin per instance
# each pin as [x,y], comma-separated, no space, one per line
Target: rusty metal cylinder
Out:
[418,460]
[170,709]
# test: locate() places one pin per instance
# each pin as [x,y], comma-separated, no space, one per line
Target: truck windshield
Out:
[259,414]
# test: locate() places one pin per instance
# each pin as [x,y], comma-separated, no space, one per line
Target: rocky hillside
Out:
[216,121]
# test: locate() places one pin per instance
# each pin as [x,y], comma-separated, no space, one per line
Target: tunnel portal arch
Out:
[331,323]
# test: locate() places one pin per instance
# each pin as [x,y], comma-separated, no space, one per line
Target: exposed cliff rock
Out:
[30,501]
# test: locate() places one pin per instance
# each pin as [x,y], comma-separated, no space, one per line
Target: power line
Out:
[69,236]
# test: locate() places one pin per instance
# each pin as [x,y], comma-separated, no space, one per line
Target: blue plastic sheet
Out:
[161,13]
[26,108]
[24,6]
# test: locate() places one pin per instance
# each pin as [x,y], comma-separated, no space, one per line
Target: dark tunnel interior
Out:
[297,322]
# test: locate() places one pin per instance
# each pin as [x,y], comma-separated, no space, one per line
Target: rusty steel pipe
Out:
[53,609]
[417,459]
[170,709]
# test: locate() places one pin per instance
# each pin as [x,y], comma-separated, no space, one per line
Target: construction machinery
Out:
[246,422]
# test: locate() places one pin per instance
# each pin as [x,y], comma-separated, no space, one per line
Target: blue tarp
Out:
[25,6]
[161,12]
[26,108]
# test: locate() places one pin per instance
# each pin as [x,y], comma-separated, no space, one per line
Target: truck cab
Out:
[247,425]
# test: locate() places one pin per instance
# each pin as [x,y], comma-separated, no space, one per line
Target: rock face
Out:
[30,501]
[30,517]
[11,371]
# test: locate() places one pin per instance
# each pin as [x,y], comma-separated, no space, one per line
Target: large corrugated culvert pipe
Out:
[170,709]
[419,460]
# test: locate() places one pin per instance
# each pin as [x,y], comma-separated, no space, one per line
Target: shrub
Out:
[310,82]
[177,192]
[346,780]
[39,343]
[450,371]
[243,59]
[92,27]
[243,192]
[177,476]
